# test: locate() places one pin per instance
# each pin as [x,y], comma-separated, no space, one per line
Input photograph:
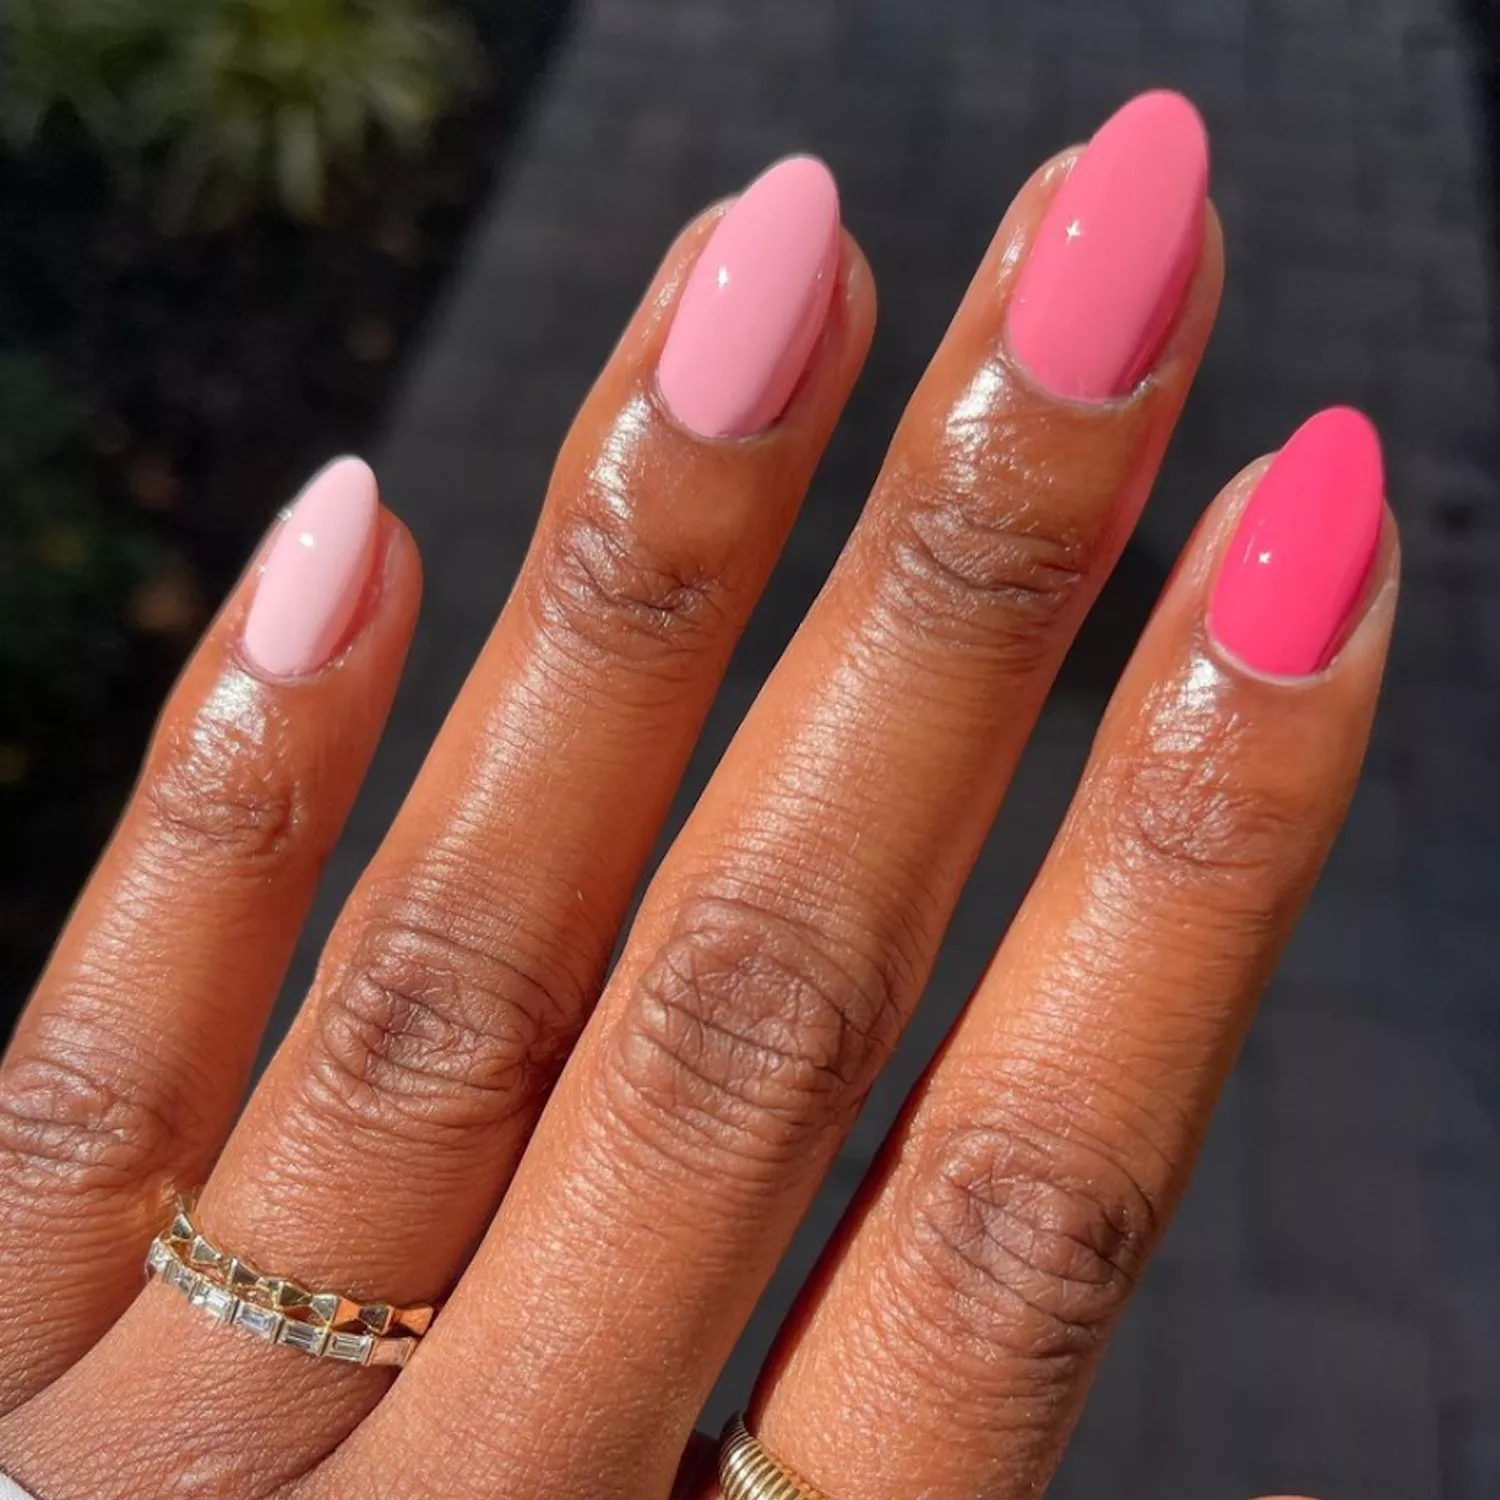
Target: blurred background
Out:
[239,236]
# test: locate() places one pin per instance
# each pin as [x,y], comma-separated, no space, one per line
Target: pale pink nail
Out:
[315,573]
[751,312]
[1302,552]
[1113,258]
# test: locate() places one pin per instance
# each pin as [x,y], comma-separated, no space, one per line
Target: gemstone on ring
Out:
[180,1276]
[352,1348]
[307,1337]
[214,1300]
[277,1309]
[261,1321]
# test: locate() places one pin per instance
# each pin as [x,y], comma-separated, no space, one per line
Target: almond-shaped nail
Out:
[1301,555]
[1116,251]
[753,307]
[315,573]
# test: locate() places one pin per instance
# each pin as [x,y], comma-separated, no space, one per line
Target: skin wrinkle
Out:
[459,899]
[808,1029]
[425,1039]
[799,834]
[786,867]
[1037,1063]
[217,783]
[604,587]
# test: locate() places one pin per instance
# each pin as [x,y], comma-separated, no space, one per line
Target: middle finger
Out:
[791,928]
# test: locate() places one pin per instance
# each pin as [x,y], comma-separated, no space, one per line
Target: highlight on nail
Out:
[315,573]
[1114,256]
[750,315]
[1297,567]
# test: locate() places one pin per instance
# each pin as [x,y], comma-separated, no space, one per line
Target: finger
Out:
[949,1342]
[372,1154]
[791,927]
[132,1056]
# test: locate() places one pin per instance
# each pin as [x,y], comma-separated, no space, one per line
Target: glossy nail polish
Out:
[1302,552]
[315,573]
[755,303]
[1113,258]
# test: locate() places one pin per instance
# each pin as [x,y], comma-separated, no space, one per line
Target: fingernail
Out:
[314,573]
[755,304]
[1302,552]
[1113,258]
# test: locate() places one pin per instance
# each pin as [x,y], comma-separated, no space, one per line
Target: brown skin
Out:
[131,1060]
[946,1345]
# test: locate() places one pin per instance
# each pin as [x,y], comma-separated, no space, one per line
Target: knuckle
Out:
[1191,817]
[1022,1239]
[982,562]
[422,1032]
[605,590]
[219,789]
[77,1111]
[746,1038]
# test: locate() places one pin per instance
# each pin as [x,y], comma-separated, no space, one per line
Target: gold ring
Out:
[276,1309]
[748,1472]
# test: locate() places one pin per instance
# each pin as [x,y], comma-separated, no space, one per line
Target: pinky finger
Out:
[130,1059]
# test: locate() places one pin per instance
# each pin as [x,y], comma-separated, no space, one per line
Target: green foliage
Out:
[67,567]
[223,102]
[79,58]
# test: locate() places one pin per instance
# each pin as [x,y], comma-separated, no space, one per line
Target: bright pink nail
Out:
[1112,260]
[315,573]
[1302,553]
[755,303]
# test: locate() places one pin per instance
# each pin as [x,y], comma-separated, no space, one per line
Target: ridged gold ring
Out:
[748,1472]
[277,1309]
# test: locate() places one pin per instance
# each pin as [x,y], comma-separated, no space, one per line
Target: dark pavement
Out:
[1325,1315]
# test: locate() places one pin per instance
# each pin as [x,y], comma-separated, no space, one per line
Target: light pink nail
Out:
[315,573]
[753,308]
[1113,258]
[1302,552]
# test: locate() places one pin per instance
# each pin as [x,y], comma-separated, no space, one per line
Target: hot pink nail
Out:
[314,573]
[1112,260]
[1303,550]
[755,303]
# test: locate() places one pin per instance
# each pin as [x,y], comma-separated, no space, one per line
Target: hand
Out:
[599,1177]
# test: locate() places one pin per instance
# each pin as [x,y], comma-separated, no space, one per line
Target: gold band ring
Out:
[276,1309]
[748,1472]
